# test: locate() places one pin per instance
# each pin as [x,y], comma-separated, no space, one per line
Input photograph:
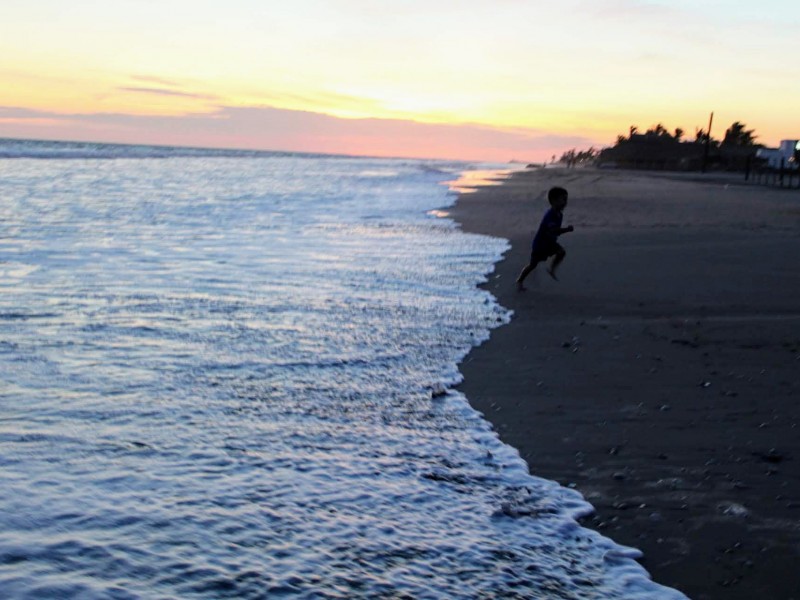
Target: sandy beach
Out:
[661,375]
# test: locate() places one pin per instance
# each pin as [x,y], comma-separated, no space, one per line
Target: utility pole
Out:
[708,142]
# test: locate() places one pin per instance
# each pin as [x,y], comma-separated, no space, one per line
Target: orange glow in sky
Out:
[502,80]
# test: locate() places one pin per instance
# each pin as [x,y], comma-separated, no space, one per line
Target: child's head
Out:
[557,197]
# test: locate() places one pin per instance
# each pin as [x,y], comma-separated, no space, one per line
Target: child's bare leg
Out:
[557,260]
[525,272]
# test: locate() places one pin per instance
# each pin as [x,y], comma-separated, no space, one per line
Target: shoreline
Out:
[658,376]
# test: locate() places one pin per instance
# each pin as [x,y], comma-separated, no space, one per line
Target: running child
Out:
[545,243]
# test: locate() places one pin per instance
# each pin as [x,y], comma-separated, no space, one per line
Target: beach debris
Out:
[668,483]
[438,390]
[665,407]
[733,509]
[618,475]
[773,456]
[731,549]
[705,384]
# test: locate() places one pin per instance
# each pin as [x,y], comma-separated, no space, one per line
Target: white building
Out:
[787,153]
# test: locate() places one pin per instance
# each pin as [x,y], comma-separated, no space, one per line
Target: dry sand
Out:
[661,375]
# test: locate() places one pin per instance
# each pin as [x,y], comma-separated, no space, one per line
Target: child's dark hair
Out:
[555,194]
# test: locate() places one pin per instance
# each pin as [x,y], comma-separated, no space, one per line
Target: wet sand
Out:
[661,375]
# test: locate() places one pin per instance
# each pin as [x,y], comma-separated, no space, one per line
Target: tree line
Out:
[737,138]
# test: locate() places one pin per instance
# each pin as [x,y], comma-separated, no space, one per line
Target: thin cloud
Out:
[156,80]
[163,92]
[344,101]
[16,112]
[270,128]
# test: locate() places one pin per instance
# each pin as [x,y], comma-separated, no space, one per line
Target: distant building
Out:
[786,155]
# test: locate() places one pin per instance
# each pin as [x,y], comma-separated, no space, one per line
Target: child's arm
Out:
[559,230]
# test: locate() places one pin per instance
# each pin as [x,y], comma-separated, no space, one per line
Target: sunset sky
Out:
[490,79]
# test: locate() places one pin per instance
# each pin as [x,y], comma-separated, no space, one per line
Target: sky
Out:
[493,80]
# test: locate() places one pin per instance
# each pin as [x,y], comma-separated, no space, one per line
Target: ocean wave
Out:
[52,149]
[202,401]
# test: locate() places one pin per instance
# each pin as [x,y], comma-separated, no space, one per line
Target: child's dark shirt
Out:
[545,240]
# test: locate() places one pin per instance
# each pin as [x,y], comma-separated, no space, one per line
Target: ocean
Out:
[216,376]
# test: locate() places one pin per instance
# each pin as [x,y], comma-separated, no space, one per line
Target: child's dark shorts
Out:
[542,253]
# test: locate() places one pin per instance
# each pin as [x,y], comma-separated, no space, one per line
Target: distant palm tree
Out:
[700,135]
[660,130]
[678,134]
[737,135]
